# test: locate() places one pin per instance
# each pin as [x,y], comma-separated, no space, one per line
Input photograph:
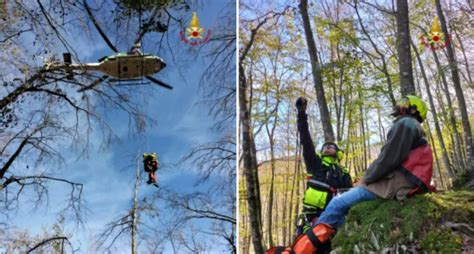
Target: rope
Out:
[140,23]
[141,47]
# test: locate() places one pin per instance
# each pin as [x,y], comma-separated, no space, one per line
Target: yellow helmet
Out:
[418,104]
[152,155]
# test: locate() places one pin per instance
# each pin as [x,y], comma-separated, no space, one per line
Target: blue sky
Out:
[108,175]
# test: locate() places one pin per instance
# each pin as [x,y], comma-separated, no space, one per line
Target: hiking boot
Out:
[307,243]
[313,239]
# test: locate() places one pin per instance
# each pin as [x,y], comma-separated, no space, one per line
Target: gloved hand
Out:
[301,104]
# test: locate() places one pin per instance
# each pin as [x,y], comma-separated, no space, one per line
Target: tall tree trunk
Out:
[369,156]
[337,92]
[287,202]
[249,156]
[459,94]
[285,206]
[456,140]
[433,110]
[349,151]
[360,147]
[461,45]
[403,47]
[436,155]
[384,68]
[444,118]
[276,215]
[271,196]
[300,185]
[244,236]
[350,139]
[249,151]
[270,134]
[317,78]
[294,189]
[429,133]
[381,129]
[134,210]
[362,130]
[337,108]
[273,112]
[344,110]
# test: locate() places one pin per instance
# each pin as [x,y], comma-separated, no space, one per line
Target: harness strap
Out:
[318,184]
[313,239]
[412,178]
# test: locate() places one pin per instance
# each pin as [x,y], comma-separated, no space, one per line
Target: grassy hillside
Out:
[431,223]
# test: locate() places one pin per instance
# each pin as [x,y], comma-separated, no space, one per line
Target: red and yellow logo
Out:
[195,33]
[435,39]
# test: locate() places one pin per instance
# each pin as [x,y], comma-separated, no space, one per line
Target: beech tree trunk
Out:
[433,110]
[135,208]
[249,153]
[317,78]
[403,45]
[456,139]
[459,94]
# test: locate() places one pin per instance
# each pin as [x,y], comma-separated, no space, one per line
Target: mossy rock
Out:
[422,224]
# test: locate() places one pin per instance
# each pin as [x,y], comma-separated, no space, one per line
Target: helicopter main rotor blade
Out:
[93,84]
[158,82]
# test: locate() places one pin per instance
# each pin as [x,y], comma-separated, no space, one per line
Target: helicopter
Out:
[121,66]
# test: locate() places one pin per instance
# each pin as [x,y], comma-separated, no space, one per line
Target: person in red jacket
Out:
[403,167]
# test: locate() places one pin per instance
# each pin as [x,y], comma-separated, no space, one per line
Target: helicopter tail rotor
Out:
[159,82]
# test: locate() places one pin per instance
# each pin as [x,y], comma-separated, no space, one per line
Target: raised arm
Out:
[312,161]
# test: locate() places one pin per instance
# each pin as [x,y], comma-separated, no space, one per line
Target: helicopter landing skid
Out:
[129,82]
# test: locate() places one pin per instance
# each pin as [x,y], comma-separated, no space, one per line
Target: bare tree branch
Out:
[190,203]
[52,239]
[17,152]
[97,26]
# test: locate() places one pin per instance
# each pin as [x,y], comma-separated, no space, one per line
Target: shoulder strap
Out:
[419,142]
